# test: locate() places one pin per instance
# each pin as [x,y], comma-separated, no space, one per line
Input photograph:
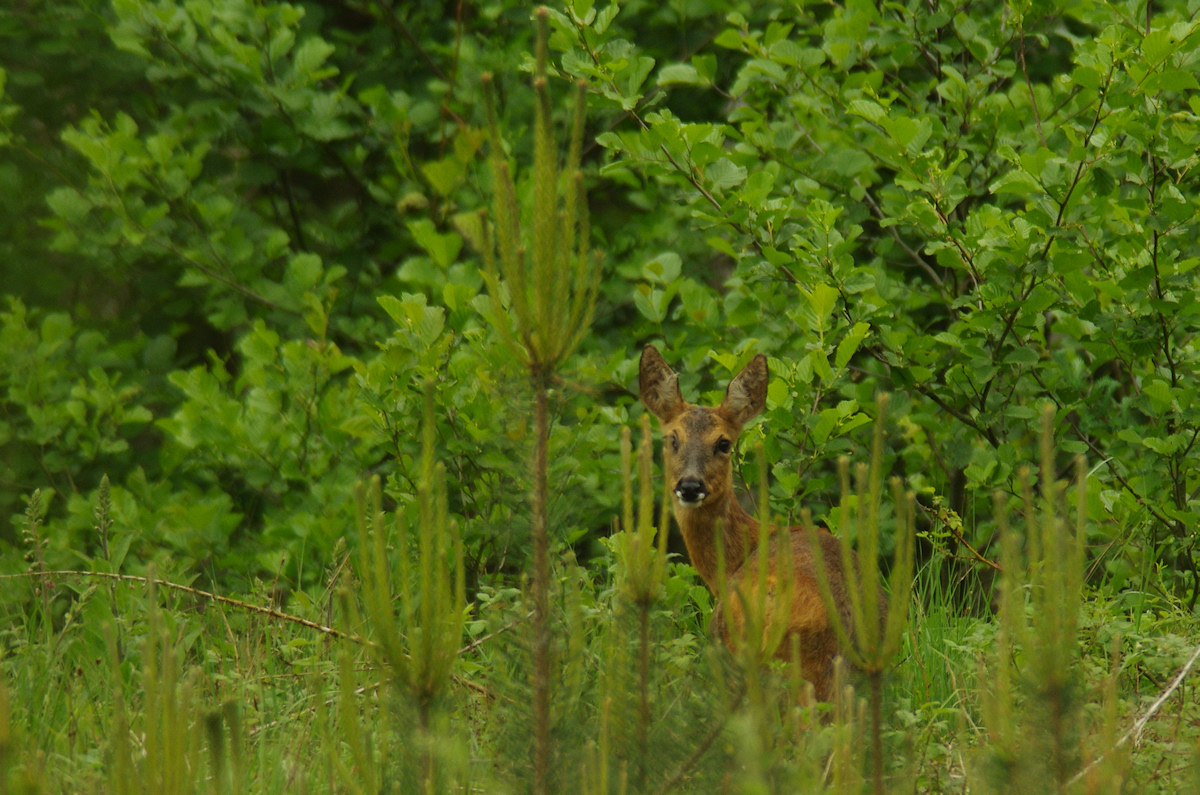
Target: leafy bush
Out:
[235,248]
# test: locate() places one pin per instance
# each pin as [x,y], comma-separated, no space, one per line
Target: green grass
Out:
[136,687]
[307,713]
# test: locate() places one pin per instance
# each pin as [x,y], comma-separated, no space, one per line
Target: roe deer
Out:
[697,447]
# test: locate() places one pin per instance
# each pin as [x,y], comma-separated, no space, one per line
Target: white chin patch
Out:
[689,503]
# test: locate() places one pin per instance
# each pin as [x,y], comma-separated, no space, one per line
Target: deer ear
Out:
[659,386]
[746,395]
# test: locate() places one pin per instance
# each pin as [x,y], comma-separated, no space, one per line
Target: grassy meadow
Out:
[324,466]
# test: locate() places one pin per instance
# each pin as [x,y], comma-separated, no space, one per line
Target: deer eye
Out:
[724,446]
[674,443]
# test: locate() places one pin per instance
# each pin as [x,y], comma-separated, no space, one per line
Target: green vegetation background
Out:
[236,238]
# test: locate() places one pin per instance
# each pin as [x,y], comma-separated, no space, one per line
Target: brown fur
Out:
[694,438]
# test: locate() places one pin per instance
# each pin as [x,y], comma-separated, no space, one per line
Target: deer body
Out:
[697,446]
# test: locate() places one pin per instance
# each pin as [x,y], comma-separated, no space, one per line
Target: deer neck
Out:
[739,532]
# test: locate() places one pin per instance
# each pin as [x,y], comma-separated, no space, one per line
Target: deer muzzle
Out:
[690,492]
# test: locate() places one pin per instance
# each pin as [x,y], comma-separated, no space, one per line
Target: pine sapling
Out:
[874,637]
[546,275]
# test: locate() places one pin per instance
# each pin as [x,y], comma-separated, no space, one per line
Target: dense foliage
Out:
[239,236]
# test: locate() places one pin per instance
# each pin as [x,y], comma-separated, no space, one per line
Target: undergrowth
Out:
[1043,639]
[143,687]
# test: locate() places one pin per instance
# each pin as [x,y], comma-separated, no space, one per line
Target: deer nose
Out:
[690,491]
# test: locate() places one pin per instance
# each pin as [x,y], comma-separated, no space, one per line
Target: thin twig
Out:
[475,644]
[1037,118]
[965,419]
[953,522]
[253,608]
[397,24]
[1136,730]
[1108,461]
[701,749]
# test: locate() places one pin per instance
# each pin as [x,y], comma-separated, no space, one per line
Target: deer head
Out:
[698,441]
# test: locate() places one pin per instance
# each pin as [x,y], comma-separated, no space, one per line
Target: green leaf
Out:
[1160,446]
[706,67]
[1086,76]
[726,360]
[429,326]
[680,74]
[653,303]
[907,132]
[778,394]
[1157,45]
[849,344]
[303,273]
[1018,182]
[1138,279]
[1173,80]
[68,204]
[820,366]
[636,75]
[704,153]
[869,110]
[758,187]
[722,245]
[826,422]
[776,257]
[605,18]
[724,173]
[56,328]
[1024,356]
[730,39]
[410,312]
[1129,435]
[310,55]
[822,299]
[442,248]
[1019,412]
[395,309]
[445,174]
[663,269]
[1159,392]
[698,301]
